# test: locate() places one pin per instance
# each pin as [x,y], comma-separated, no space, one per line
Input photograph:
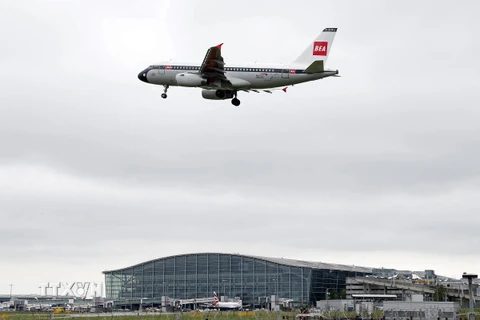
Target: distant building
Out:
[374,286]
[252,279]
[420,310]
[336,305]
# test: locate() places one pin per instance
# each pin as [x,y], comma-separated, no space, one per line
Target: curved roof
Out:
[316,265]
[282,261]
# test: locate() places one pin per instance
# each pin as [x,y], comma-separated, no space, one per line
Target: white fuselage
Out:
[254,76]
[227,305]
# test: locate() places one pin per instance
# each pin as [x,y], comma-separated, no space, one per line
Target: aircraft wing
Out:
[212,66]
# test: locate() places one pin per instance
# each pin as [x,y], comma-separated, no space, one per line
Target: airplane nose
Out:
[142,76]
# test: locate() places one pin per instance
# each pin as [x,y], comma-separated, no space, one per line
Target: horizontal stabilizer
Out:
[315,67]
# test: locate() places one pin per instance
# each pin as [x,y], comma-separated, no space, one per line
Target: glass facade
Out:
[199,275]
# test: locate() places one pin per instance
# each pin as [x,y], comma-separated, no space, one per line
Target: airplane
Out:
[225,305]
[221,82]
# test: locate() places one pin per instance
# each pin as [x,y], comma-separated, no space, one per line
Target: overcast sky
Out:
[377,168]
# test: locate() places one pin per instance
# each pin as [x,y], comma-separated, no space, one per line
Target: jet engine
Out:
[217,94]
[190,80]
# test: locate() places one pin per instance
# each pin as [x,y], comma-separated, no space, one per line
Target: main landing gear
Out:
[235,101]
[165,89]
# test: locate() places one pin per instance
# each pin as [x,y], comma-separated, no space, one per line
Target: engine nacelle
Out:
[190,80]
[217,94]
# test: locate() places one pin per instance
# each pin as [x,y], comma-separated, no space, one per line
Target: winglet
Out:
[220,46]
[285,89]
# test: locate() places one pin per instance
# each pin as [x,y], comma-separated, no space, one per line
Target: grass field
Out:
[212,315]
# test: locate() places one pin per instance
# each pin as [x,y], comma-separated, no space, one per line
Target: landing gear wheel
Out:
[165,89]
[235,102]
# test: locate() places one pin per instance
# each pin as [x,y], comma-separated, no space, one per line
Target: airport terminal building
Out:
[253,279]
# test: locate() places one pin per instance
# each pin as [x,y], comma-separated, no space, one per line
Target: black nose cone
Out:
[142,76]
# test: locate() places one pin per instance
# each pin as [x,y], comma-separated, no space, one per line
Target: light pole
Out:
[460,294]
[326,298]
[164,299]
[276,292]
[224,293]
[11,285]
[141,304]
[470,277]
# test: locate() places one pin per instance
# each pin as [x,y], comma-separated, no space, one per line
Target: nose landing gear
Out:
[165,89]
